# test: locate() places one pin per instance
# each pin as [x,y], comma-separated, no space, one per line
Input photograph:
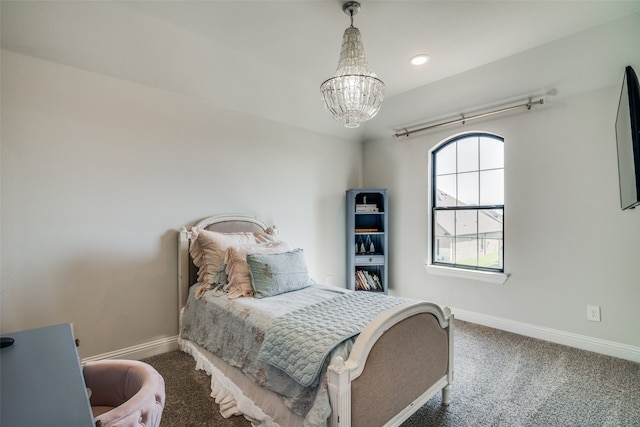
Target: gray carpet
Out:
[501,379]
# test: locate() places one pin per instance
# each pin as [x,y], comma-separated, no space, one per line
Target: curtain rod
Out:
[462,120]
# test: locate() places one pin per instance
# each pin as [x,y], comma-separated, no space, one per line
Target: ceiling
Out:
[268,58]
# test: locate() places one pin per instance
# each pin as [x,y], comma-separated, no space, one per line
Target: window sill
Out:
[481,276]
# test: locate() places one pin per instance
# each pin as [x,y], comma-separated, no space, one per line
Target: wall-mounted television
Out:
[628,140]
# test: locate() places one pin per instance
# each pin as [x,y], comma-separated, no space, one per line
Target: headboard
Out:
[187,271]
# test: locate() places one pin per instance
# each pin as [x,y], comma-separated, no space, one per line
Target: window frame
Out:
[483,274]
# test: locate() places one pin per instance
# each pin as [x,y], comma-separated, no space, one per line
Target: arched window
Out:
[467,202]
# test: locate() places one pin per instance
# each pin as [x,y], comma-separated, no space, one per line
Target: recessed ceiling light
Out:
[419,59]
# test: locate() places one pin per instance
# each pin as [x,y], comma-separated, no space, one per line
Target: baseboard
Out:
[140,351]
[609,348]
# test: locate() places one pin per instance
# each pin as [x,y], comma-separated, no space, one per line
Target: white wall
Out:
[98,174]
[567,242]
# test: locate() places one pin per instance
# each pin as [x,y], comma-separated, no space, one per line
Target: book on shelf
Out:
[367,230]
[361,281]
[366,281]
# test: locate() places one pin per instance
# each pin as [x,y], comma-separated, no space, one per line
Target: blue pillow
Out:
[274,274]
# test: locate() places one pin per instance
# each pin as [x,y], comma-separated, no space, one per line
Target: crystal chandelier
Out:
[354,94]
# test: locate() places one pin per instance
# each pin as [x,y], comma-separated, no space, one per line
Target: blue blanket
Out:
[299,342]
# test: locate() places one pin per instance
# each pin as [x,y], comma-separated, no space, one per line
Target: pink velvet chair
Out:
[124,393]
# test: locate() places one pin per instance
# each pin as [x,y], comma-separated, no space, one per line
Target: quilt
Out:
[299,342]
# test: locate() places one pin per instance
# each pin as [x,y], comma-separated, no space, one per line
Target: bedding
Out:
[235,330]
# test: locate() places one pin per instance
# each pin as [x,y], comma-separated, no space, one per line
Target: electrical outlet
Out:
[593,313]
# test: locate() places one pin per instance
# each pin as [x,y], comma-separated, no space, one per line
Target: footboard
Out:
[399,361]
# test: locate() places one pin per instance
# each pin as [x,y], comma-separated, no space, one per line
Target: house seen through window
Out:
[467,202]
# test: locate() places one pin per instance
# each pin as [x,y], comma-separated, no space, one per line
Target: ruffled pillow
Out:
[237,269]
[208,247]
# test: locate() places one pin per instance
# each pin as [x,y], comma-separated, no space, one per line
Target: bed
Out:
[399,354]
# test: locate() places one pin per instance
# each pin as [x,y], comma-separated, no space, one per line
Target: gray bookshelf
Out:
[367,241]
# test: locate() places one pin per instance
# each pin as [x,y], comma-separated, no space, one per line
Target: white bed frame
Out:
[377,345]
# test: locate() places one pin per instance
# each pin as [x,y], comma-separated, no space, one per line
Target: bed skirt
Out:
[238,395]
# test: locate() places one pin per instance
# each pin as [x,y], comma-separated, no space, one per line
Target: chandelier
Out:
[354,94]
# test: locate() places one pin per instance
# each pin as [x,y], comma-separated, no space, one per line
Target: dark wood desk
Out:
[41,380]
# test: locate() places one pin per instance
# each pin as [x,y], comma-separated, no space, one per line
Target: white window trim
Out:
[461,273]
[481,276]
